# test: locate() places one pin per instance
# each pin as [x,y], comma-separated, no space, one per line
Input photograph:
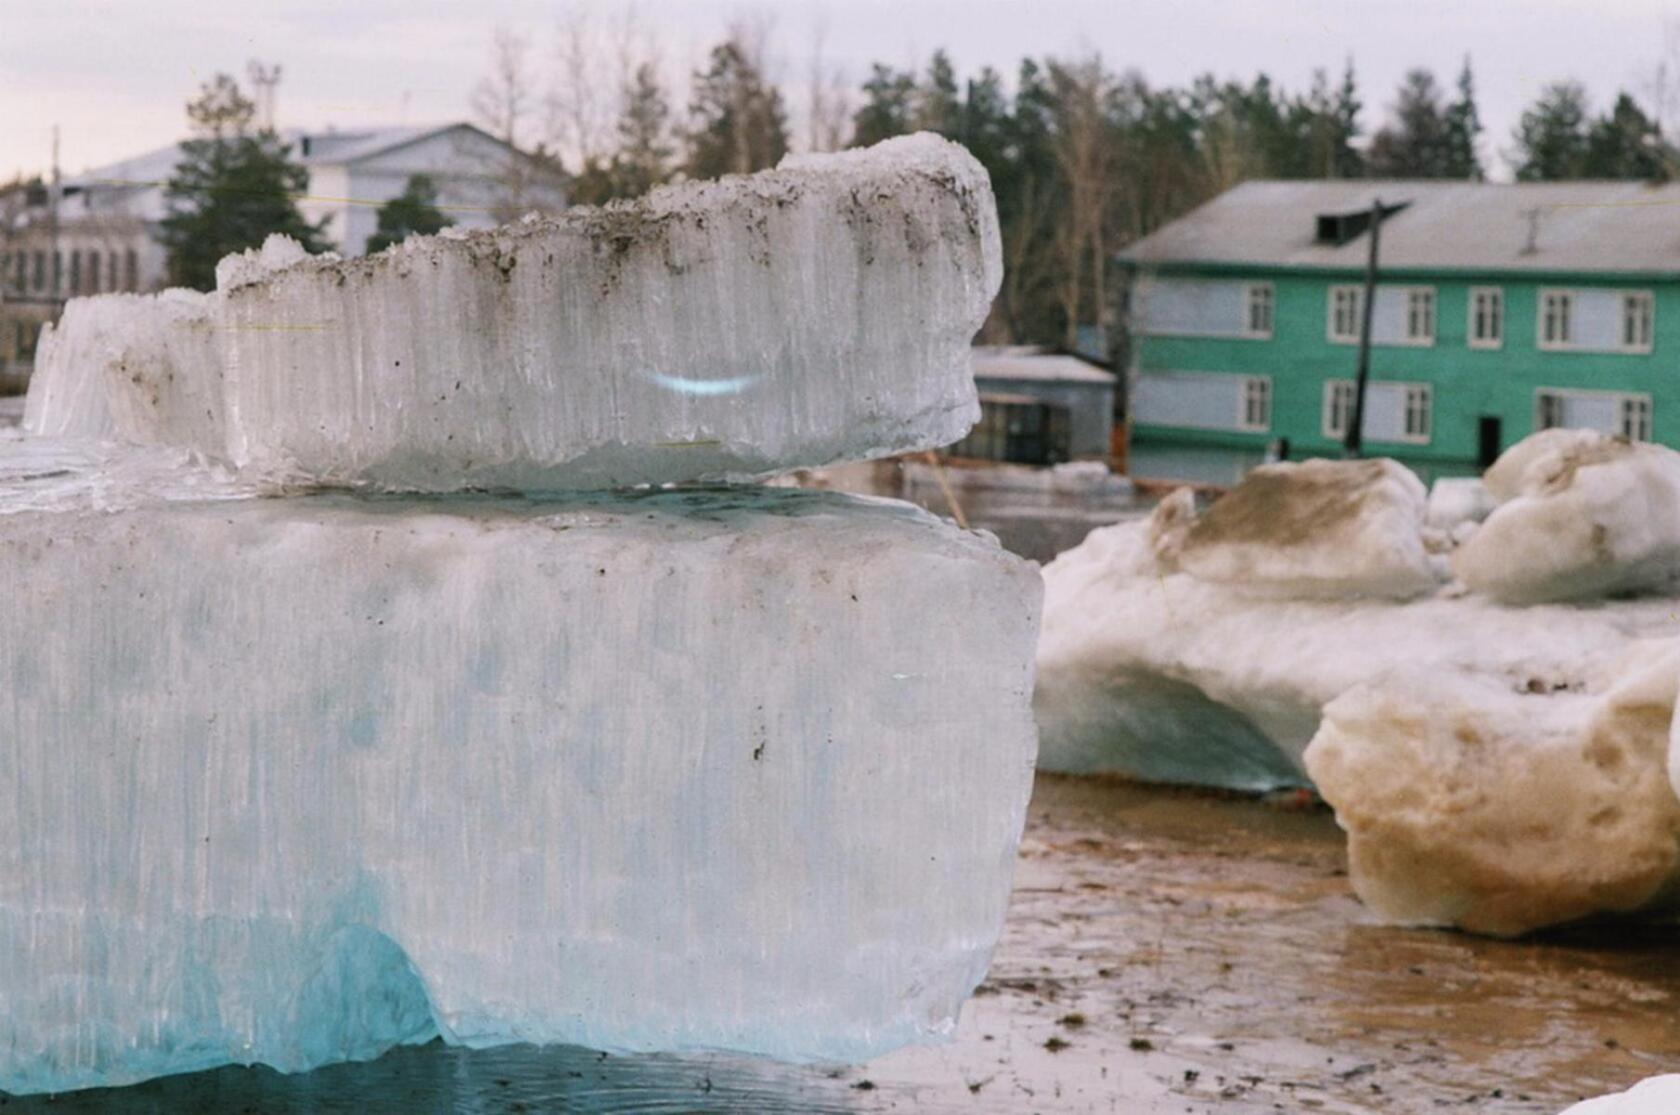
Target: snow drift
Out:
[1497,767]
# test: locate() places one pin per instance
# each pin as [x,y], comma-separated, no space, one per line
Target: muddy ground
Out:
[1165,952]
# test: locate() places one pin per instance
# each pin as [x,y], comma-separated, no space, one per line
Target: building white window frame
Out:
[1639,320]
[1484,322]
[1635,409]
[1552,321]
[1259,310]
[1256,405]
[1554,329]
[1418,422]
[1418,425]
[1420,316]
[1337,410]
[1344,311]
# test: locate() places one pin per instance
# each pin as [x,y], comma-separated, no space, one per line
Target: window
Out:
[1346,306]
[75,272]
[1338,407]
[1173,307]
[1636,417]
[1260,309]
[1638,311]
[1257,404]
[1556,308]
[1611,412]
[93,272]
[40,271]
[20,272]
[1394,412]
[1597,319]
[131,270]
[1487,317]
[58,272]
[1416,423]
[1202,401]
[1420,315]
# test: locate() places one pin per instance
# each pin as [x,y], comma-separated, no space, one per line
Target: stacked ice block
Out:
[313,746]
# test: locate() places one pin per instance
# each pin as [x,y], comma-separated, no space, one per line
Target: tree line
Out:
[1084,158]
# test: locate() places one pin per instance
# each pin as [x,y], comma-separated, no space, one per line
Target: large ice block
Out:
[293,780]
[1481,805]
[819,312]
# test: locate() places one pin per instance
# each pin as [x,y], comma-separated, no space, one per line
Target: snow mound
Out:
[291,781]
[814,313]
[1160,675]
[1312,529]
[1457,500]
[1583,515]
[1658,1095]
[1500,810]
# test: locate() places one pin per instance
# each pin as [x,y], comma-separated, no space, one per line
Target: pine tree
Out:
[231,190]
[1348,162]
[887,110]
[938,107]
[1551,137]
[1627,144]
[1416,143]
[739,124]
[414,211]
[645,150]
[1464,125]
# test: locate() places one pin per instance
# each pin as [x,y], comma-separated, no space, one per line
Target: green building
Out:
[1500,309]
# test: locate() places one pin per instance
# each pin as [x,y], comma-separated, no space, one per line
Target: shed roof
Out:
[1612,227]
[1029,362]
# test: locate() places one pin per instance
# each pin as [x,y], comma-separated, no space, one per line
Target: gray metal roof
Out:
[1029,362]
[1614,227]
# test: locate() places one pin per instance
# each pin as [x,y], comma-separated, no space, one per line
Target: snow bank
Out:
[1498,768]
[293,780]
[1471,803]
[1584,515]
[1314,529]
[818,312]
[1659,1095]
[1164,676]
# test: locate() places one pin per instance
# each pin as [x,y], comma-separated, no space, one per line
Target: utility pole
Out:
[1354,438]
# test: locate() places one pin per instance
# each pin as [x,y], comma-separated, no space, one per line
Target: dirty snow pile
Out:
[1498,767]
[295,775]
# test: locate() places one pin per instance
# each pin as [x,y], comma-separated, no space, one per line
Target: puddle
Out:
[1165,952]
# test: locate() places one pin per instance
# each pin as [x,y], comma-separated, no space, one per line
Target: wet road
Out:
[1165,952]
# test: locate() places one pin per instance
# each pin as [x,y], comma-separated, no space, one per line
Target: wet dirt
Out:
[1165,952]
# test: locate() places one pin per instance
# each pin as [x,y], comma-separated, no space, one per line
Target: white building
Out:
[105,236]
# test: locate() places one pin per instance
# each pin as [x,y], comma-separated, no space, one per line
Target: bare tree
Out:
[503,99]
[829,115]
[504,102]
[1083,148]
[1660,84]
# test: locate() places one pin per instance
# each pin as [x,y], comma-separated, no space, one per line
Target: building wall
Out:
[1465,383]
[1090,408]
[469,170]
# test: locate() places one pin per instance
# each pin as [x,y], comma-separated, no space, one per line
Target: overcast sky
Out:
[114,75]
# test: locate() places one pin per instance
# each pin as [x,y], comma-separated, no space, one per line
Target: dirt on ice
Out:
[1165,952]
